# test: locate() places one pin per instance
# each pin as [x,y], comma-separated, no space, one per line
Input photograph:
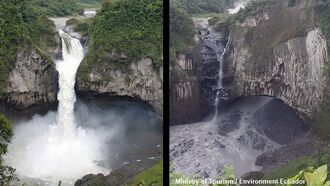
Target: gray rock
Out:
[186,101]
[280,57]
[33,81]
[140,80]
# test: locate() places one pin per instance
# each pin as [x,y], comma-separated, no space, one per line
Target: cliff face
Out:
[278,57]
[186,102]
[138,79]
[33,80]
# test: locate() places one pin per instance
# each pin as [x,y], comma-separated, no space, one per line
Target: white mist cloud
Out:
[237,7]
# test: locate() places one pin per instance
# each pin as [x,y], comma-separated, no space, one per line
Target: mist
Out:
[108,135]
[237,6]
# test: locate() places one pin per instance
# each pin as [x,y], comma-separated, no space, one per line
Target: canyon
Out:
[260,77]
[287,62]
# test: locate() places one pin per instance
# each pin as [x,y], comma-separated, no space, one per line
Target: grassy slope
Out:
[151,176]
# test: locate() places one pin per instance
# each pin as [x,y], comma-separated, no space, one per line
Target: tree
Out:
[7,174]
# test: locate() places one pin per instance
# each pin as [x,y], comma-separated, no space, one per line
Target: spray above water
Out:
[56,149]
[237,7]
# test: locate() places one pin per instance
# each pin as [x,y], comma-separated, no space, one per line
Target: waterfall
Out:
[221,91]
[73,54]
[213,50]
[53,147]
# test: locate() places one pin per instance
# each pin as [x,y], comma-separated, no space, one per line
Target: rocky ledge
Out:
[33,80]
[140,80]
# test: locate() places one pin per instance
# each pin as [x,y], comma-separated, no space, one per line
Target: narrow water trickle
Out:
[221,91]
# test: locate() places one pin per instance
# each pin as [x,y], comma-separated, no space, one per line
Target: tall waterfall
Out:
[73,54]
[53,147]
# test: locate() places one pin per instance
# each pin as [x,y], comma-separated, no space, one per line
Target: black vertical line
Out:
[166,91]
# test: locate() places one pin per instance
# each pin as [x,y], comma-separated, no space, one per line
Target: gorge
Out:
[71,134]
[44,145]
[275,81]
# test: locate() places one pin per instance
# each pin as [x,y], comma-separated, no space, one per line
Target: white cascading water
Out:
[220,58]
[58,150]
[73,54]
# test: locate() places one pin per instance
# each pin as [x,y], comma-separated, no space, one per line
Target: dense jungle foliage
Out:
[133,29]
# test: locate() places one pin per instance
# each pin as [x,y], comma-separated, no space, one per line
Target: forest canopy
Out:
[131,28]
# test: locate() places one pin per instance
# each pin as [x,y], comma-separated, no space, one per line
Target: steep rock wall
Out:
[278,57]
[33,80]
[186,102]
[138,79]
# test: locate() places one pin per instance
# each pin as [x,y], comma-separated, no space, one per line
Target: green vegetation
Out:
[81,26]
[23,23]
[6,173]
[182,30]
[95,4]
[228,175]
[72,21]
[22,26]
[317,177]
[61,7]
[321,9]
[313,177]
[54,7]
[254,7]
[321,119]
[203,6]
[127,28]
[11,33]
[300,165]
[149,177]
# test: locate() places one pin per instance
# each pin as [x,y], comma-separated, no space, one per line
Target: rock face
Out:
[138,79]
[186,102]
[279,57]
[33,81]
[116,177]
